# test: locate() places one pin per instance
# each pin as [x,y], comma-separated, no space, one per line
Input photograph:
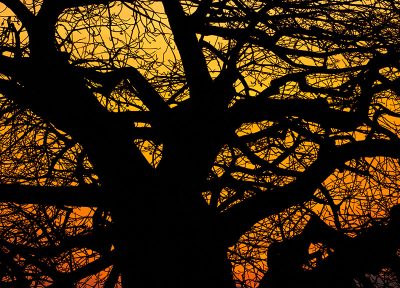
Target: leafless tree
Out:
[203,143]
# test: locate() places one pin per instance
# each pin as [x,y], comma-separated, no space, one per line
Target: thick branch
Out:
[241,217]
[95,241]
[88,195]
[318,111]
[147,93]
[20,10]
[189,48]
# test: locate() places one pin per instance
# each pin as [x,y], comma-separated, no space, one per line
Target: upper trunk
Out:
[171,246]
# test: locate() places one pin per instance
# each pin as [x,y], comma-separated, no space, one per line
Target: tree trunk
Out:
[167,246]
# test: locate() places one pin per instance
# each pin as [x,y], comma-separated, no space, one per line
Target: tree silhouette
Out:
[211,143]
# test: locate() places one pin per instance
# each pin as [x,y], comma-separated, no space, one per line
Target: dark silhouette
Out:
[201,144]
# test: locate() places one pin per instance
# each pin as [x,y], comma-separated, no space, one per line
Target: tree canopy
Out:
[204,143]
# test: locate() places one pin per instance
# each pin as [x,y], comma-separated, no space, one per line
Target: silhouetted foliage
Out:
[205,143]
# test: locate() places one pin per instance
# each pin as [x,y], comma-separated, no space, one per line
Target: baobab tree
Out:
[199,144]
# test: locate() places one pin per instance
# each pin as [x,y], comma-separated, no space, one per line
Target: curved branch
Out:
[87,195]
[239,219]
[317,110]
[20,10]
